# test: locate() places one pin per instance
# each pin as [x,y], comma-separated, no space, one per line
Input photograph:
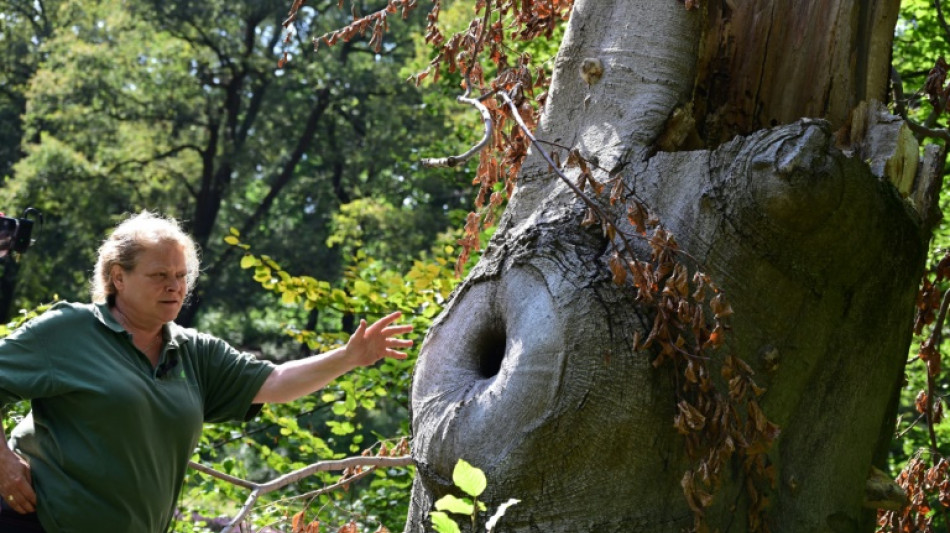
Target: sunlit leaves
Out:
[442,523]
[453,504]
[468,478]
[471,481]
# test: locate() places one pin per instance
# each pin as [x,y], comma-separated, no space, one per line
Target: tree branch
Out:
[156,157]
[260,489]
[897,86]
[455,160]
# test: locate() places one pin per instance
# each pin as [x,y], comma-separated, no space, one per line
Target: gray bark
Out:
[530,374]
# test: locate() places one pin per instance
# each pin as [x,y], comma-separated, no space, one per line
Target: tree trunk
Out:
[530,372]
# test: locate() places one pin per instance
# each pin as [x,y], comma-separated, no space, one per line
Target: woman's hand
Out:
[370,343]
[367,345]
[16,482]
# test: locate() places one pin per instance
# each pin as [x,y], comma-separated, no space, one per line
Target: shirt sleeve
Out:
[26,371]
[229,380]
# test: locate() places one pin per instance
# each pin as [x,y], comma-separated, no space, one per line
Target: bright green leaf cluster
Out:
[472,481]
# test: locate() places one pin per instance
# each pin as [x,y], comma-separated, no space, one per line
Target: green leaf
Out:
[455,505]
[289,298]
[361,288]
[442,523]
[232,240]
[341,428]
[234,231]
[261,274]
[469,478]
[248,261]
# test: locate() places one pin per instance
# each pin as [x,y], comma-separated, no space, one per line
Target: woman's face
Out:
[153,292]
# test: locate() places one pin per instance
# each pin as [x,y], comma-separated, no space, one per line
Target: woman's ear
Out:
[117,276]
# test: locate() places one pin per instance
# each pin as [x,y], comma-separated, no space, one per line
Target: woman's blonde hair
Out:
[128,240]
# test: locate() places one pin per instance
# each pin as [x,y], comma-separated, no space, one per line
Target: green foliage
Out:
[469,479]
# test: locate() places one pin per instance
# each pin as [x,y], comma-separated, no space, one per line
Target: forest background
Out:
[303,186]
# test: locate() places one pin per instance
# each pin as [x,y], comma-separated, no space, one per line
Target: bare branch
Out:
[897,86]
[338,485]
[342,464]
[222,476]
[455,160]
[260,489]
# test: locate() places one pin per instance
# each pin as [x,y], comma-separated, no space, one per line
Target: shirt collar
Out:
[170,330]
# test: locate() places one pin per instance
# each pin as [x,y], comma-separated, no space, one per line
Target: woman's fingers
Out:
[16,487]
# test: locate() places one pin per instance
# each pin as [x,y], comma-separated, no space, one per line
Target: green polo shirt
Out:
[111,436]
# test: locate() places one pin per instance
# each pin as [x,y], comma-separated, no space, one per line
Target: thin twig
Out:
[338,485]
[628,248]
[912,425]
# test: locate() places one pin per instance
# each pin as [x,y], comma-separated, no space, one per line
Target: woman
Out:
[119,391]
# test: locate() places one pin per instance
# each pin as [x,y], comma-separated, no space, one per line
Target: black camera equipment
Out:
[15,233]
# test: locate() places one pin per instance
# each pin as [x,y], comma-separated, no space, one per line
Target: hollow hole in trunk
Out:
[491,352]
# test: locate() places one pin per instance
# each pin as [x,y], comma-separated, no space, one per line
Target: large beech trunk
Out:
[530,373]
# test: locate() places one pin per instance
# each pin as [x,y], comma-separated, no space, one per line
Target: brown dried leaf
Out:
[616,191]
[758,417]
[636,214]
[936,78]
[720,307]
[590,218]
[921,402]
[296,523]
[618,269]
[693,418]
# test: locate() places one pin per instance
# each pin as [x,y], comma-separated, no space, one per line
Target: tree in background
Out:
[183,109]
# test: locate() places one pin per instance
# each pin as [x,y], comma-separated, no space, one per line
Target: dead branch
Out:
[260,489]
[455,160]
